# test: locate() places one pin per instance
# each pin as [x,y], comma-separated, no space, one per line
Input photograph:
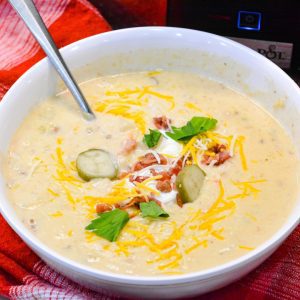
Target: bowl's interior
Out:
[157,48]
[143,49]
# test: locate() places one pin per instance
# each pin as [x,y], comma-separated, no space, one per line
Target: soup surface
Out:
[159,213]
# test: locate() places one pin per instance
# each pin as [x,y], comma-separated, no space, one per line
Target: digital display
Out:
[248,20]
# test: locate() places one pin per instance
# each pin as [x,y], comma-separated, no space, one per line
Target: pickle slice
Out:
[189,183]
[96,163]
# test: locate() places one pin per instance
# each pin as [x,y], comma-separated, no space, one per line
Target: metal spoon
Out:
[29,14]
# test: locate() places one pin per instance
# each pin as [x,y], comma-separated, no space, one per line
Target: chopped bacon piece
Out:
[138,178]
[164,186]
[122,174]
[103,207]
[129,145]
[151,198]
[132,211]
[156,201]
[132,207]
[177,168]
[132,214]
[179,200]
[55,129]
[207,159]
[134,201]
[148,160]
[138,166]
[161,122]
[154,172]
[165,175]
[218,148]
[221,155]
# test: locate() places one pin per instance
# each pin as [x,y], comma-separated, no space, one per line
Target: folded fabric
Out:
[22,273]
[19,50]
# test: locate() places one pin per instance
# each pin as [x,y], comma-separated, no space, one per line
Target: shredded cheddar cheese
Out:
[196,245]
[53,193]
[132,104]
[251,217]
[153,73]
[188,145]
[218,234]
[246,247]
[141,186]
[69,196]
[193,106]
[151,179]
[57,214]
[247,188]
[201,144]
[240,145]
[90,237]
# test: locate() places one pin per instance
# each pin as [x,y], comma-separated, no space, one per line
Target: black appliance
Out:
[271,27]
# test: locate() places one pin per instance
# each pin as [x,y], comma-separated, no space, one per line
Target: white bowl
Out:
[147,49]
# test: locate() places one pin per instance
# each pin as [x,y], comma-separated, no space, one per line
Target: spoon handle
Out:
[29,14]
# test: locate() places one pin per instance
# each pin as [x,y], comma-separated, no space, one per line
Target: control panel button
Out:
[249,20]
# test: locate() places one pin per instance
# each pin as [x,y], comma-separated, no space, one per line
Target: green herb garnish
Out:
[109,224]
[193,127]
[153,210]
[152,138]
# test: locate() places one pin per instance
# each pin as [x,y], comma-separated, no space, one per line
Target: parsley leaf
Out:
[109,224]
[153,210]
[193,127]
[152,138]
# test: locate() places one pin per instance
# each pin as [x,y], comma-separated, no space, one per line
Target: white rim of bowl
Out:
[269,245]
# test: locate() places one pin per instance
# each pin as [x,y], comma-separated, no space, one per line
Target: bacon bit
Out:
[164,186]
[55,129]
[129,145]
[138,178]
[153,172]
[179,200]
[132,211]
[132,207]
[219,158]
[103,207]
[220,155]
[134,201]
[165,175]
[155,200]
[177,168]
[161,122]
[218,148]
[132,214]
[207,159]
[148,160]
[122,174]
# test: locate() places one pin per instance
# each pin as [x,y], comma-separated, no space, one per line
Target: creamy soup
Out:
[214,178]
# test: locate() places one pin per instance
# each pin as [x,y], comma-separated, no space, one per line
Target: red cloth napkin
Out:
[22,273]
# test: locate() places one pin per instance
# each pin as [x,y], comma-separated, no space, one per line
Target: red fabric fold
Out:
[81,18]
[22,274]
